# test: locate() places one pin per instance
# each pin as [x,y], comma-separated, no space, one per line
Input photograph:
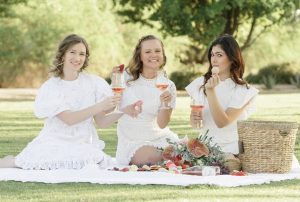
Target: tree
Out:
[202,20]
[26,33]
[5,7]
[31,30]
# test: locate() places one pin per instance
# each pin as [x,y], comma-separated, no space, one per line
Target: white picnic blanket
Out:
[93,174]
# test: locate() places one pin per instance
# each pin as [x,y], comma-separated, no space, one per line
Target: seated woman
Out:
[226,96]
[139,138]
[70,101]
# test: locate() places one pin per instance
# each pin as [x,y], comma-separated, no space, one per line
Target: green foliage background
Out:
[31,31]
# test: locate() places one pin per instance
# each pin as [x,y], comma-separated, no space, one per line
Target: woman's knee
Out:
[146,155]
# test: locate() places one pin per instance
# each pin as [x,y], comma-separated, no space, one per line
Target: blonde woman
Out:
[139,138]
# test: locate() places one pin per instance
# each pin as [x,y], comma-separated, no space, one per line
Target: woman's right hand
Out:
[115,69]
[212,82]
[109,103]
[165,97]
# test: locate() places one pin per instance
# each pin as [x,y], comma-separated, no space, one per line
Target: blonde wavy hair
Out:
[66,44]
[135,66]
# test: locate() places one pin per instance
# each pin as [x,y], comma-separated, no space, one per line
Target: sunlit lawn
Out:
[18,126]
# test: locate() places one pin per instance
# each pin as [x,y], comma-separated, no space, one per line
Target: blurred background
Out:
[267,30]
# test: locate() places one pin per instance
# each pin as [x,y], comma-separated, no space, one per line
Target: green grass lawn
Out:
[18,126]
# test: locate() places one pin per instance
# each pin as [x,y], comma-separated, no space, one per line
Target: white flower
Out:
[180,147]
[200,162]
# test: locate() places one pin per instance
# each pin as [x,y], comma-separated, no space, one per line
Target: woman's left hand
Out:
[134,109]
[212,82]
[166,97]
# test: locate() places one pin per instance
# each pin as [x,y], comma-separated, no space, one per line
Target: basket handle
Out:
[283,133]
[241,147]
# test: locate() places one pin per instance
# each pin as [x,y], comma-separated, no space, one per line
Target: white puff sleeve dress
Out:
[134,133]
[59,145]
[230,95]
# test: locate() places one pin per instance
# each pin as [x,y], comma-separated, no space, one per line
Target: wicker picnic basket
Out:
[267,146]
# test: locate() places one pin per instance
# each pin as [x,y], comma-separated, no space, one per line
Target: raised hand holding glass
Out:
[162,84]
[118,83]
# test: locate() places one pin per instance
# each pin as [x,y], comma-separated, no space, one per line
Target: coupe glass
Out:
[117,84]
[162,83]
[197,105]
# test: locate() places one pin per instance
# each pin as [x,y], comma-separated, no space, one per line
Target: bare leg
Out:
[8,162]
[146,155]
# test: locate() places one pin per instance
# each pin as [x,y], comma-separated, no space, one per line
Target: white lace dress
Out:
[229,95]
[134,133]
[59,145]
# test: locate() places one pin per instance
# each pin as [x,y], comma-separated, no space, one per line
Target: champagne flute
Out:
[117,84]
[162,84]
[197,106]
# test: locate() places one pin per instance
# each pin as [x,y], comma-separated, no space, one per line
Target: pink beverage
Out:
[118,89]
[162,86]
[197,108]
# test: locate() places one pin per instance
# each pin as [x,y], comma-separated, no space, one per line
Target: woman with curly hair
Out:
[70,101]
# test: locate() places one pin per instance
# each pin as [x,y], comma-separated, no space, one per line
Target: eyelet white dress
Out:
[230,95]
[59,145]
[134,133]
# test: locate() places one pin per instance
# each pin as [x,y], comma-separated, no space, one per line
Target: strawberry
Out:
[238,173]
[177,163]
[125,169]
[178,158]
[184,166]
[121,67]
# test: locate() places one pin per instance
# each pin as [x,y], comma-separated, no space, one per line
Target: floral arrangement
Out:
[195,152]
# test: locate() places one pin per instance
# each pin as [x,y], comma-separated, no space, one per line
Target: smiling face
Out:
[225,53]
[152,55]
[74,58]
[220,59]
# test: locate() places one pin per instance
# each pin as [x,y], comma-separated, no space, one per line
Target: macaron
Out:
[215,70]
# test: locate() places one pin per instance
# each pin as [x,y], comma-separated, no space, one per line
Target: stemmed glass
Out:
[162,84]
[197,105]
[117,84]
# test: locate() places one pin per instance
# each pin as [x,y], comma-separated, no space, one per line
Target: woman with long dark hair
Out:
[224,93]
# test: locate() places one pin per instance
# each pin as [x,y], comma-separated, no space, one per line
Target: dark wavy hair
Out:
[66,44]
[135,66]
[234,54]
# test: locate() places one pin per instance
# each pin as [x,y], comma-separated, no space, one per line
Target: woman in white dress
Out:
[138,138]
[226,96]
[70,101]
